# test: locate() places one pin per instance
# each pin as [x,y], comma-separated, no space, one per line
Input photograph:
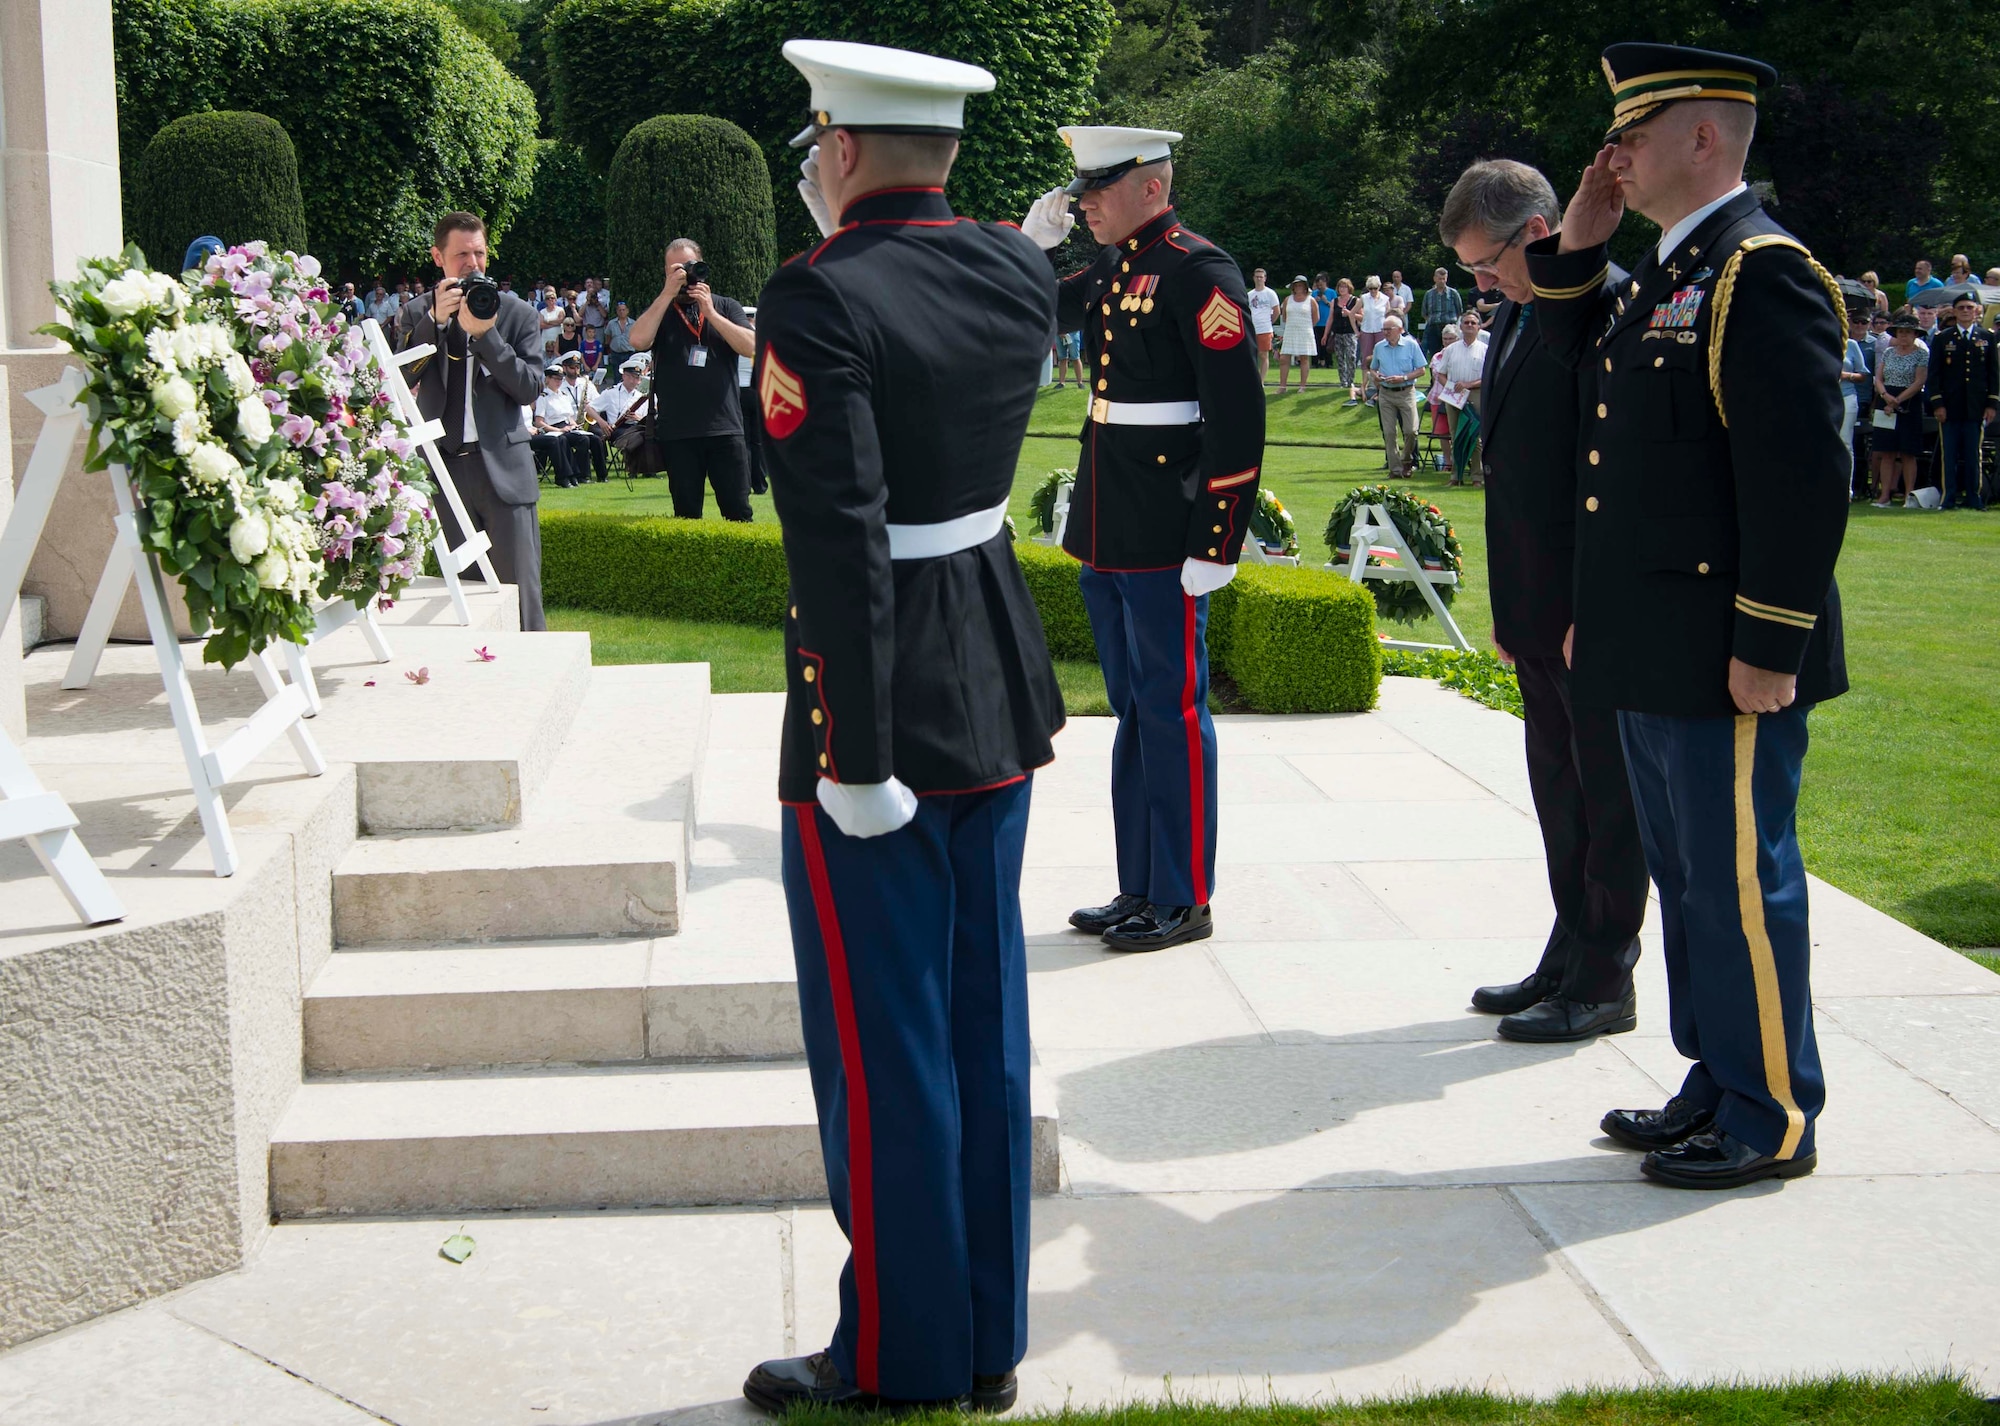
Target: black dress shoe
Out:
[777,1386]
[1507,999]
[1557,1021]
[1099,919]
[1713,1159]
[1648,1129]
[1157,927]
[993,1394]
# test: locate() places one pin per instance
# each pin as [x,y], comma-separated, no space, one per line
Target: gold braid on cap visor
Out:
[1637,97]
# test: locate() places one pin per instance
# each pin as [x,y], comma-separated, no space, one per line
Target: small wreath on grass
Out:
[1430,538]
[1042,504]
[1271,524]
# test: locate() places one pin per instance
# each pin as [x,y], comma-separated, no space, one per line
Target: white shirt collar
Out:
[1671,238]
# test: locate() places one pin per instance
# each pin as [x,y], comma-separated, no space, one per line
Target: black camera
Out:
[697,271]
[482,296]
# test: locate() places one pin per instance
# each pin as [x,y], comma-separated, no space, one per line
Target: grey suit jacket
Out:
[508,377]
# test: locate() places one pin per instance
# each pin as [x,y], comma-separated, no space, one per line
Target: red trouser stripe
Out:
[860,1159]
[1191,718]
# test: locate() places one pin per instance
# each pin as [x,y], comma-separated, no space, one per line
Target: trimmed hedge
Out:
[558,232]
[399,114]
[609,60]
[1302,641]
[228,172]
[689,176]
[1294,641]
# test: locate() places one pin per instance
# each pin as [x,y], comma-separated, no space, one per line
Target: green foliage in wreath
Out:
[1430,538]
[1271,524]
[1043,502]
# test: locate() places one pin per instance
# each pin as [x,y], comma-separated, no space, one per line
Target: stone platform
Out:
[1292,1161]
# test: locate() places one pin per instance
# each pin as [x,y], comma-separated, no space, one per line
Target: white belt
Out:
[946,537]
[1145,413]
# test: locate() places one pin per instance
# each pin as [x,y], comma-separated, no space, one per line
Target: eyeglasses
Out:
[1486,268]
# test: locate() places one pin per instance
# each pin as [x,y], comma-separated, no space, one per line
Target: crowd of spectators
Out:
[1380,340]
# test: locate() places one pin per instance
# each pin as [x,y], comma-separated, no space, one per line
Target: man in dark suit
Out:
[484,371]
[1532,408]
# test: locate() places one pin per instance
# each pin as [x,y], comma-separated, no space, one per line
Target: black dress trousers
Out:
[1597,868]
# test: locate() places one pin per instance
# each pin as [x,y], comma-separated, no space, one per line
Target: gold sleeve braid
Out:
[1725,289]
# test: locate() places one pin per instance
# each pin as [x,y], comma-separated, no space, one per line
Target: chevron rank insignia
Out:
[1220,322]
[782,395]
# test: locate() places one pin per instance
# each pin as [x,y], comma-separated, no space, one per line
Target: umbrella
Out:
[1945,296]
[1465,443]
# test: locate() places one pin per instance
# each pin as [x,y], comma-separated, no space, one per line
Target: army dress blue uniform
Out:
[1713,497]
[1962,389]
[1171,450]
[912,649]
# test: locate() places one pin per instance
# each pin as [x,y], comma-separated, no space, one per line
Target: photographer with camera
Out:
[695,338]
[487,367]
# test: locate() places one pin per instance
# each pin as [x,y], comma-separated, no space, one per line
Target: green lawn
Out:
[1902,793]
[1835,1401]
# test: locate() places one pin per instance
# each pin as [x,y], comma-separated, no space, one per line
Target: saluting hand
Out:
[1597,207]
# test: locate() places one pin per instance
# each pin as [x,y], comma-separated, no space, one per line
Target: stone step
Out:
[601,849]
[573,1002]
[600,1137]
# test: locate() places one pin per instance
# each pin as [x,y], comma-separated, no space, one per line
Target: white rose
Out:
[273,570]
[249,537]
[174,397]
[122,296]
[283,495]
[212,465]
[307,265]
[242,381]
[187,431]
[253,420]
[160,289]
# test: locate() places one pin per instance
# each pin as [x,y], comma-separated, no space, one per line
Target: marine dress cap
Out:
[1646,78]
[889,91]
[1104,154]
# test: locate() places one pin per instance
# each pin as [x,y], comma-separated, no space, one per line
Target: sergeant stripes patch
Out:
[1220,322]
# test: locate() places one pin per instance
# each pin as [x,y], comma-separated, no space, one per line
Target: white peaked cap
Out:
[874,87]
[1104,152]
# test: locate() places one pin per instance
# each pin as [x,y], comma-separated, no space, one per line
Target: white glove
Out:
[812,195]
[1049,220]
[867,809]
[1199,577]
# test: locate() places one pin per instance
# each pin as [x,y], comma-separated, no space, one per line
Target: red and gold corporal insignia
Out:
[1220,322]
[782,395]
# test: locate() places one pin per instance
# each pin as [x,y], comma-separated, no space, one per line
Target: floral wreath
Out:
[1426,530]
[1271,524]
[266,464]
[1042,504]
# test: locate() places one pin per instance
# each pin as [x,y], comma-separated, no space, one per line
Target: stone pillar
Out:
[13,714]
[58,202]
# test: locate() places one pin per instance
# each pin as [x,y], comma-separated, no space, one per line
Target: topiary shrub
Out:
[1051,577]
[689,176]
[228,172]
[611,59]
[673,569]
[559,232]
[400,115]
[1302,641]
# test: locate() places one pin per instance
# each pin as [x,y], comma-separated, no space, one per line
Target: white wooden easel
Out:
[28,811]
[1372,522]
[209,769]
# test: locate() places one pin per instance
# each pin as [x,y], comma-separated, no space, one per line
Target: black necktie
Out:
[456,368]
